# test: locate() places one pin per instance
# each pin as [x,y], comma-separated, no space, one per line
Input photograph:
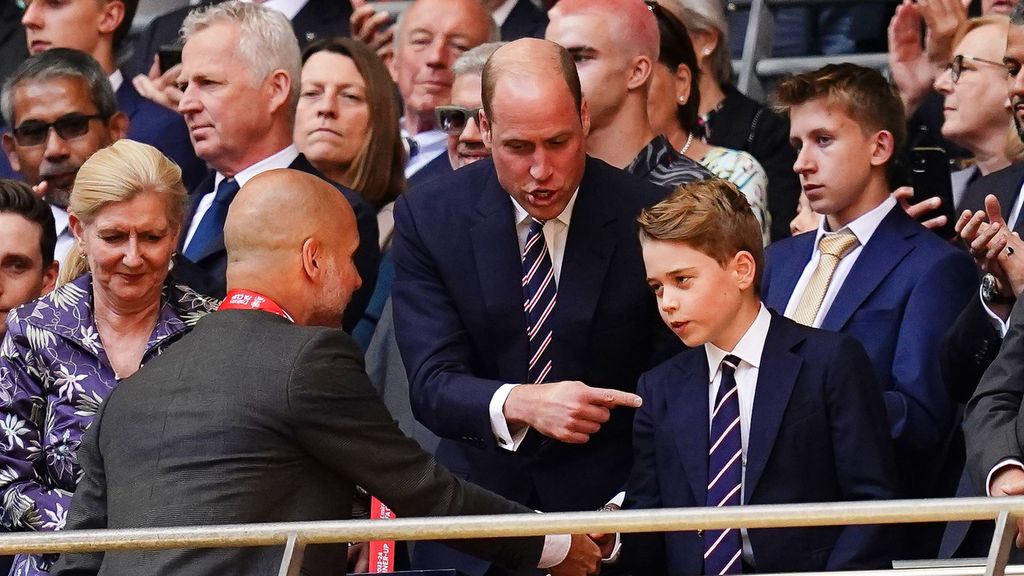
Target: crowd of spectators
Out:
[249,251]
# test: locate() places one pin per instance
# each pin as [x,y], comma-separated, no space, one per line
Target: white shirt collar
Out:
[500,14]
[748,349]
[60,218]
[864,226]
[287,7]
[522,215]
[116,79]
[281,159]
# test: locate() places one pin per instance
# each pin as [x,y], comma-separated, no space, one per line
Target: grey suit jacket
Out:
[253,419]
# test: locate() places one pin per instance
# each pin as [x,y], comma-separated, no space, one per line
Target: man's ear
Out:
[7,141]
[312,252]
[113,15]
[485,128]
[883,146]
[279,84]
[585,117]
[118,126]
[744,269]
[639,73]
[50,277]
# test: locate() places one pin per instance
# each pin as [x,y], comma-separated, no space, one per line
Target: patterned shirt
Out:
[743,170]
[54,374]
[659,164]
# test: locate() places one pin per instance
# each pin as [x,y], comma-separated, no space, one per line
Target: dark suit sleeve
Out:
[338,415]
[968,349]
[992,419]
[89,504]
[921,411]
[445,395]
[864,461]
[644,553]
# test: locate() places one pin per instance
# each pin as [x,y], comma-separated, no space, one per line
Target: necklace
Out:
[689,140]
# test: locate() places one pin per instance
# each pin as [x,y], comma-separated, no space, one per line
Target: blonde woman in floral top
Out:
[114,310]
[672,105]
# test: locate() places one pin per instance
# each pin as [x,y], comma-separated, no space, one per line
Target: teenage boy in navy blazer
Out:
[758,410]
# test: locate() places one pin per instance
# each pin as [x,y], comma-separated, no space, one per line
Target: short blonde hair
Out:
[115,174]
[711,216]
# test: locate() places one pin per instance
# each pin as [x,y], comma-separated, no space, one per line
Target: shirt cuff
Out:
[556,548]
[499,426]
[1004,464]
[997,322]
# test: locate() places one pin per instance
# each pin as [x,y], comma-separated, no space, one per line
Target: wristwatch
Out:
[990,291]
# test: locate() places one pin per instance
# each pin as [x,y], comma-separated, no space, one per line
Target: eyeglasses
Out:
[453,119]
[956,67]
[34,132]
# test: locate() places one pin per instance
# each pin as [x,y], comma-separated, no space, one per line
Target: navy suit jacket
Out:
[162,128]
[458,305]
[901,296]
[817,434]
[524,21]
[213,264]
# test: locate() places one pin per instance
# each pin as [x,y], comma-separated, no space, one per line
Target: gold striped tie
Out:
[832,247]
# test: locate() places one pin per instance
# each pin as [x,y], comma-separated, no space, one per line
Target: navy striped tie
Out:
[722,548]
[539,292]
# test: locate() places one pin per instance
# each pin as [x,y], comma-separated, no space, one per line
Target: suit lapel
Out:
[789,268]
[689,415]
[887,247]
[127,98]
[776,378]
[205,187]
[588,251]
[499,264]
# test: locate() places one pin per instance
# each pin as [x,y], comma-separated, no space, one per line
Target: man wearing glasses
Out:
[62,109]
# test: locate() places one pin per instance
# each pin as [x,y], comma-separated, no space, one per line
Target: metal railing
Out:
[295,536]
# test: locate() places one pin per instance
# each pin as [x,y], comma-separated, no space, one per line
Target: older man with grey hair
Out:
[240,72]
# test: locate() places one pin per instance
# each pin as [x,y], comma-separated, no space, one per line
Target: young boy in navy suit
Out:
[759,410]
[871,272]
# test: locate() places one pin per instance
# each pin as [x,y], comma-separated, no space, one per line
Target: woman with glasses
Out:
[346,123]
[673,104]
[973,87]
[113,310]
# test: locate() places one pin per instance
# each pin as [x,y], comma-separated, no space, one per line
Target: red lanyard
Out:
[239,299]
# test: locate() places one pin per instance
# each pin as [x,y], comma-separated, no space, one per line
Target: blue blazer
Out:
[901,296]
[458,305]
[162,128]
[817,434]
[210,268]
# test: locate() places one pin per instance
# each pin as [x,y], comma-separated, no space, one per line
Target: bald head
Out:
[529,58]
[291,236]
[631,22]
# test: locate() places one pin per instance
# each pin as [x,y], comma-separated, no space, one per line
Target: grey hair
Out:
[707,16]
[1017,15]
[493,32]
[60,63]
[266,40]
[472,62]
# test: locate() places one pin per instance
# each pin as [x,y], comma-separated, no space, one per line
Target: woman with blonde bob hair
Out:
[113,311]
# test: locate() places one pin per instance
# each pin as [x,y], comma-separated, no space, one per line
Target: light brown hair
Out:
[711,216]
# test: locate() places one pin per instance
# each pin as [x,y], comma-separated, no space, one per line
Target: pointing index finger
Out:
[611,398]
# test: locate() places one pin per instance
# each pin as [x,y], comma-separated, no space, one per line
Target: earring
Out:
[682,100]
[707,51]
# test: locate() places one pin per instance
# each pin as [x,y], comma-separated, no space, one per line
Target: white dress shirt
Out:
[282,159]
[500,14]
[555,232]
[65,239]
[748,350]
[863,228]
[429,145]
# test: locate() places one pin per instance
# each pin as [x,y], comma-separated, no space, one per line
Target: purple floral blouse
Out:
[54,374]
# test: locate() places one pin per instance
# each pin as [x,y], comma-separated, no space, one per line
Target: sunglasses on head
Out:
[34,132]
[453,119]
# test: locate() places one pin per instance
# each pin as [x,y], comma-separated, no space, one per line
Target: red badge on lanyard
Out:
[239,299]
